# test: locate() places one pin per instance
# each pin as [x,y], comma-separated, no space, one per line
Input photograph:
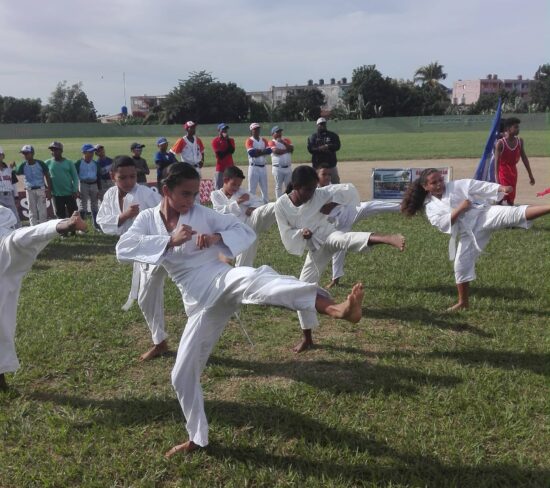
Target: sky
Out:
[258,44]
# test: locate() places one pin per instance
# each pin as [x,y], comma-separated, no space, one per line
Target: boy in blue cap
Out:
[90,180]
[163,159]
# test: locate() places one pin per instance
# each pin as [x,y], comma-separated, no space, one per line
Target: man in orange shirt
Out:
[190,148]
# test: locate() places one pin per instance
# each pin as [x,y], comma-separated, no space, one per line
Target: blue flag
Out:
[486,168]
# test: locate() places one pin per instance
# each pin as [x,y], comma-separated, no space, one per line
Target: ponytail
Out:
[415,195]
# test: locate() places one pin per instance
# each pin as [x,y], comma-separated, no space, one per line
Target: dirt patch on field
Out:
[359,173]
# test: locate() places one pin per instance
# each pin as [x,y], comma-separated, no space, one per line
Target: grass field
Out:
[426,145]
[410,396]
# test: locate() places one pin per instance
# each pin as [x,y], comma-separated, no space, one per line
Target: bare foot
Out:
[397,241]
[304,345]
[333,283]
[155,351]
[458,307]
[186,448]
[72,225]
[3,384]
[350,309]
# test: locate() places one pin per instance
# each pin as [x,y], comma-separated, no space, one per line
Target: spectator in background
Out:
[64,182]
[89,175]
[163,159]
[141,164]
[281,160]
[223,147]
[8,190]
[37,185]
[190,147]
[257,148]
[105,164]
[323,146]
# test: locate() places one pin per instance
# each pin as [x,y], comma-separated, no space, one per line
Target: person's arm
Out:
[458,211]
[145,166]
[335,144]
[288,145]
[223,205]
[109,213]
[311,147]
[201,149]
[74,178]
[49,183]
[498,153]
[291,237]
[236,236]
[275,149]
[525,160]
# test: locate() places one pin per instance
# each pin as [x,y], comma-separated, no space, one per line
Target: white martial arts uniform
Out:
[211,291]
[261,219]
[325,240]
[18,251]
[147,280]
[473,227]
[345,216]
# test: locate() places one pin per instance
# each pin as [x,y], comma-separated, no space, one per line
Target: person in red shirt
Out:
[508,150]
[224,147]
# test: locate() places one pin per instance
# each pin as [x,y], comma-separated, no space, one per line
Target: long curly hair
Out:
[413,201]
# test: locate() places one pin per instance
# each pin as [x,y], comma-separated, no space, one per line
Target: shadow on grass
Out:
[425,317]
[393,466]
[339,376]
[507,293]
[538,363]
[78,248]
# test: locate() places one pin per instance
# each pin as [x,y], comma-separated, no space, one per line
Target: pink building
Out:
[467,92]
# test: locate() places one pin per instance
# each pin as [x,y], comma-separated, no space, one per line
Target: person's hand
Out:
[132,211]
[249,211]
[12,165]
[181,235]
[76,195]
[328,207]
[506,189]
[532,181]
[243,198]
[207,240]
[48,194]
[465,205]
[306,233]
[323,148]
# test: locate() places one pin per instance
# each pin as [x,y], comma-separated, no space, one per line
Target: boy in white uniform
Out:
[281,160]
[233,200]
[345,216]
[18,251]
[120,206]
[257,148]
[186,239]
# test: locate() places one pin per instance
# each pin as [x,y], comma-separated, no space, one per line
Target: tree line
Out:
[206,100]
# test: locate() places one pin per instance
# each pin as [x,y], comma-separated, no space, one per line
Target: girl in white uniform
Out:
[18,251]
[302,217]
[186,239]
[463,209]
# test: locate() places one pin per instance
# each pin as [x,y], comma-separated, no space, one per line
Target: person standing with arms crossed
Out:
[281,160]
[257,148]
[190,148]
[323,145]
[223,147]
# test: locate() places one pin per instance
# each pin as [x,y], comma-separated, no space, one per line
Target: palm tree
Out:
[430,74]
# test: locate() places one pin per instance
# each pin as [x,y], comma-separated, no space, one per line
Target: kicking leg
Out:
[395,240]
[533,212]
[463,297]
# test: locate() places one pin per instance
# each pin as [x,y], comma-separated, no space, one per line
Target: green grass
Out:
[373,147]
[410,396]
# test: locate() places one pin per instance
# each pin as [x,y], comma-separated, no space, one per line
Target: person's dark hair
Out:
[502,126]
[415,195]
[302,176]
[510,122]
[122,161]
[176,173]
[323,165]
[233,172]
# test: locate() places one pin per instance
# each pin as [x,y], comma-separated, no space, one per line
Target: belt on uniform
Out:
[36,188]
[283,167]
[258,165]
[89,182]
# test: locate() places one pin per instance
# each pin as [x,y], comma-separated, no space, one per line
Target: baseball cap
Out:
[321,120]
[254,125]
[136,145]
[275,129]
[223,126]
[162,140]
[88,148]
[55,145]
[97,147]
[27,148]
[188,124]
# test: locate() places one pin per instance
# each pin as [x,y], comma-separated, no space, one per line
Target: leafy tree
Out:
[304,104]
[69,104]
[540,88]
[204,99]
[19,110]
[431,74]
[259,112]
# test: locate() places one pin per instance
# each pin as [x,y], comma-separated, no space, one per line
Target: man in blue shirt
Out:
[163,159]
[89,176]
[37,176]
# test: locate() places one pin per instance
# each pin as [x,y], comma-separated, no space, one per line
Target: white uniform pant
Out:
[317,261]
[260,220]
[89,193]
[7,200]
[282,178]
[496,217]
[262,286]
[364,210]
[257,175]
[148,289]
[38,210]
